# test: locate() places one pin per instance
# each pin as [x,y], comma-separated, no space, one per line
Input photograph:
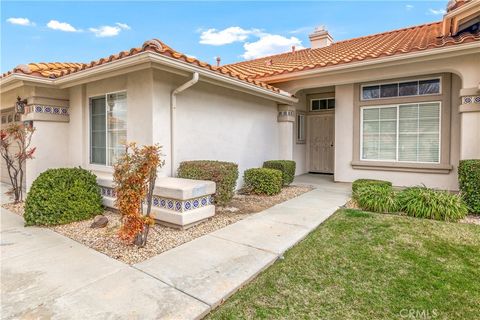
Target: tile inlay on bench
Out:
[176,202]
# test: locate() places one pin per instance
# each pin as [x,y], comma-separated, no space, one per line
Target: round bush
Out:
[60,196]
[263,181]
[423,202]
[376,198]
[287,167]
[362,182]
[224,174]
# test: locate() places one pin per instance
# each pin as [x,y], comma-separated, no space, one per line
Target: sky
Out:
[76,31]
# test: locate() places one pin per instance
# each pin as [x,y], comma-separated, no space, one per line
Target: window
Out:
[401,89]
[322,104]
[404,133]
[300,127]
[108,127]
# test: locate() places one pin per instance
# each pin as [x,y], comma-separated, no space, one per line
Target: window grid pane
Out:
[401,89]
[98,131]
[108,128]
[418,133]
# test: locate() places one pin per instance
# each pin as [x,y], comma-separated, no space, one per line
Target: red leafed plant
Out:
[15,149]
[134,176]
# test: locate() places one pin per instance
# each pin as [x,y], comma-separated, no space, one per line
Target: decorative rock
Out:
[230,209]
[99,221]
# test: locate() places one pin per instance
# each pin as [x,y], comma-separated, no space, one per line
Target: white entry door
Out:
[321,138]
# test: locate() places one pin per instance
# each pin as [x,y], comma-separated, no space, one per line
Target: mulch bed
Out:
[162,238]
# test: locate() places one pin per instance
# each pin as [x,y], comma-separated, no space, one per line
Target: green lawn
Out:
[360,265]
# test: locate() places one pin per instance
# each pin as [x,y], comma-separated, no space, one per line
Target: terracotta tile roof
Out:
[58,69]
[417,38]
[43,69]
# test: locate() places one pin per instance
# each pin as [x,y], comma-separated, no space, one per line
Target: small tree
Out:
[134,176]
[18,135]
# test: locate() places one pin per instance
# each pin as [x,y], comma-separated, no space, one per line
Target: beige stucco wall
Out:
[216,123]
[299,149]
[213,122]
[139,87]
[50,137]
[470,123]
[466,74]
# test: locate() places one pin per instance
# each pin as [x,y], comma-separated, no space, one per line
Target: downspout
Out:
[173,116]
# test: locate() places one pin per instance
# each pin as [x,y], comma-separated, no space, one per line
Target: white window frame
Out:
[300,140]
[398,83]
[319,99]
[107,158]
[397,132]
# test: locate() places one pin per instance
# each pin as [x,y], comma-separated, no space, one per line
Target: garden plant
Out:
[15,149]
[135,173]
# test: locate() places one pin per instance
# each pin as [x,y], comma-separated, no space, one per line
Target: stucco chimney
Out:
[320,38]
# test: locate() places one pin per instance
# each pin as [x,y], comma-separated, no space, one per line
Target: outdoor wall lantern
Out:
[20,105]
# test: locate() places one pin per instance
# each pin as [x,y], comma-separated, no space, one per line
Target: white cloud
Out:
[409,7]
[437,11]
[62,26]
[21,21]
[269,44]
[123,26]
[109,31]
[229,35]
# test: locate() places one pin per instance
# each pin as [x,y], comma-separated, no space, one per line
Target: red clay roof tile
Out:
[417,38]
[58,69]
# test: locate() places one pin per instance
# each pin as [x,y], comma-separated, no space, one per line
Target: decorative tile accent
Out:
[38,108]
[288,113]
[170,204]
[471,100]
[108,192]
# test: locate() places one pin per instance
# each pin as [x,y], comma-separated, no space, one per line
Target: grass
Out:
[360,265]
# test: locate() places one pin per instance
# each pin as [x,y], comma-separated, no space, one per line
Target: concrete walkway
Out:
[48,276]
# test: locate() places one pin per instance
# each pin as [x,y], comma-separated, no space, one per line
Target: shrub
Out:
[469,181]
[376,197]
[362,182]
[224,174]
[423,202]
[287,167]
[60,196]
[263,181]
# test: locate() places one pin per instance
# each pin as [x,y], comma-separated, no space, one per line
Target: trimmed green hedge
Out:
[469,181]
[60,196]
[224,174]
[287,167]
[363,182]
[263,181]
[376,197]
[423,202]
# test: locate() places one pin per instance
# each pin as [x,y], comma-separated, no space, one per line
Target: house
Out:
[402,105]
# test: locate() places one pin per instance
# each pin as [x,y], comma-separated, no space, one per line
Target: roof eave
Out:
[16,80]
[146,58]
[444,51]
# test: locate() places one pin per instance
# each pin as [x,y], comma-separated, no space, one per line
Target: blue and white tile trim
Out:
[38,108]
[471,100]
[170,204]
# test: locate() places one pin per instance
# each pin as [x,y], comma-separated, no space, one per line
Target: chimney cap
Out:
[320,37]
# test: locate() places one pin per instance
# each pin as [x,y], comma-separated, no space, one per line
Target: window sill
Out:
[402,167]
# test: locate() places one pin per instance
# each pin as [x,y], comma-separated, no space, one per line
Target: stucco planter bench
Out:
[176,202]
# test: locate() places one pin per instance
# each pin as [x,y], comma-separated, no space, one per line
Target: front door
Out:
[321,137]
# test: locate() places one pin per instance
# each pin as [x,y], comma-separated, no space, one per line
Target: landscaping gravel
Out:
[163,238]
